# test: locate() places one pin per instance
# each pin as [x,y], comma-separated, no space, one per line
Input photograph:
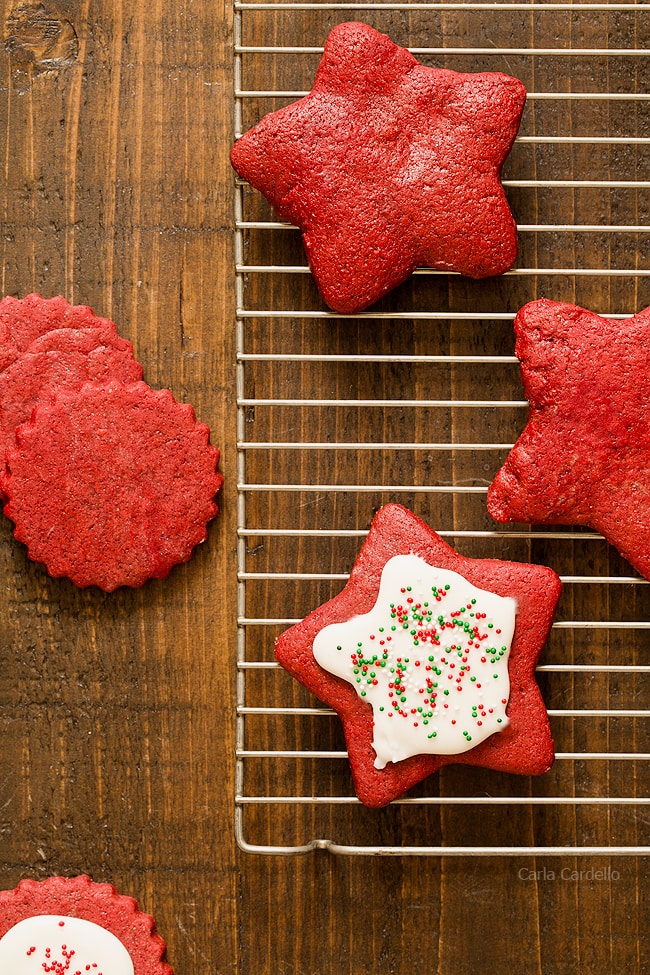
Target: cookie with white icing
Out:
[71,925]
[429,659]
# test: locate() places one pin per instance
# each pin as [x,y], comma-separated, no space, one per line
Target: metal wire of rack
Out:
[297,538]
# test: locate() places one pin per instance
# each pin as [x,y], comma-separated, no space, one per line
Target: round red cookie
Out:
[22,320]
[523,747]
[62,358]
[80,897]
[111,484]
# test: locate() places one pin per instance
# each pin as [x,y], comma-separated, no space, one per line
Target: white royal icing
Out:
[62,946]
[431,657]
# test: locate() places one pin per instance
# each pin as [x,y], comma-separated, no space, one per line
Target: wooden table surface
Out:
[117,712]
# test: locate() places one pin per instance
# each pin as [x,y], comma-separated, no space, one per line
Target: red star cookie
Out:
[584,455]
[414,674]
[387,165]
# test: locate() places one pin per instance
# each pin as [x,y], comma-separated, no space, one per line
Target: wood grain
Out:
[117,713]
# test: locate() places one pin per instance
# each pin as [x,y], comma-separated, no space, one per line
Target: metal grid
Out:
[603,638]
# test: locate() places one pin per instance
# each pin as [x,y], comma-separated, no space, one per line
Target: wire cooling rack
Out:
[418,401]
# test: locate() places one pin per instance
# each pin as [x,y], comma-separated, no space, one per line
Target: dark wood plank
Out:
[116,710]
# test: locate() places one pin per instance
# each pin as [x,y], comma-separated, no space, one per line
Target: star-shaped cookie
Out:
[388,165]
[429,659]
[583,457]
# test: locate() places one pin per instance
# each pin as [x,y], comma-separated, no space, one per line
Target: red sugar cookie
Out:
[72,925]
[61,358]
[429,659]
[22,320]
[584,455]
[111,484]
[388,165]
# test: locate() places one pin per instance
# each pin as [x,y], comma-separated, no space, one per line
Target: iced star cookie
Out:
[111,484]
[583,457]
[388,165]
[429,659]
[72,926]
